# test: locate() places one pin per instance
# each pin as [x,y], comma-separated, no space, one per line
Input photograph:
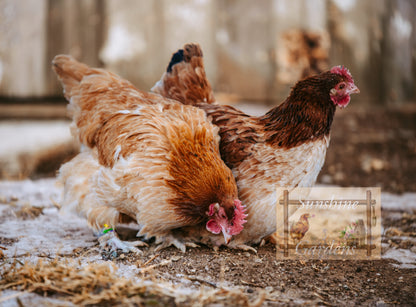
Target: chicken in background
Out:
[144,158]
[186,69]
[300,228]
[300,54]
[286,147]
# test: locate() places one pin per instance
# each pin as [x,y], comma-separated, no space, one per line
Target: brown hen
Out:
[146,157]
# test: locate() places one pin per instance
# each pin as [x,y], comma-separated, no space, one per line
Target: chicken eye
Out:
[341,86]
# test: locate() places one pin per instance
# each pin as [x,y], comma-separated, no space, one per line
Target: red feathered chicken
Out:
[145,157]
[286,147]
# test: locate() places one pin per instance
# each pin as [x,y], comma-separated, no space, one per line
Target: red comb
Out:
[343,71]
[239,218]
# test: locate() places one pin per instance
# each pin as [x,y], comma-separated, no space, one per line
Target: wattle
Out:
[341,101]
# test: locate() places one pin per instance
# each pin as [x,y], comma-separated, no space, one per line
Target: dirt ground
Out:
[260,279]
[368,148]
[330,283]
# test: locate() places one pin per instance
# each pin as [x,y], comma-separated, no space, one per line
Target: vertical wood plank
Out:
[286,221]
[76,28]
[22,48]
[369,241]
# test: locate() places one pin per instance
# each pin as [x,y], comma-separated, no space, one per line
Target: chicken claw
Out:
[243,247]
[111,241]
[169,240]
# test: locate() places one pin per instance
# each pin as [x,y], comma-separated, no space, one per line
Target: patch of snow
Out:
[129,272]
[50,233]
[30,299]
[403,202]
[406,258]
[37,193]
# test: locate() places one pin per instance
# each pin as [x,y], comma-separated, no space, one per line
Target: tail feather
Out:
[70,72]
[177,57]
[185,79]
[94,95]
[191,51]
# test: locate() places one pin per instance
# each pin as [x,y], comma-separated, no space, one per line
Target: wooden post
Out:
[286,221]
[368,223]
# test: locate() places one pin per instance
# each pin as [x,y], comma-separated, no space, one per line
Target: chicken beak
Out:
[227,236]
[353,89]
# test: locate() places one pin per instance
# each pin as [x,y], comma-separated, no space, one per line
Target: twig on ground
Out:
[151,267]
[151,259]
[203,281]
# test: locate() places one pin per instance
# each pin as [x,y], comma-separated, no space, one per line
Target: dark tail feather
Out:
[177,57]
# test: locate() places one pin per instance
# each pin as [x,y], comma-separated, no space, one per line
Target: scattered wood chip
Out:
[28,212]
[151,259]
[151,267]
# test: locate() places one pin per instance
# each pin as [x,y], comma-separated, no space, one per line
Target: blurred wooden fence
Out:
[242,42]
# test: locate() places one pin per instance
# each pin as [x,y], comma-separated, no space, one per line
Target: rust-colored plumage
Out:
[146,157]
[186,80]
[286,147]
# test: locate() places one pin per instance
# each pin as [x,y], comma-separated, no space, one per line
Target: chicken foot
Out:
[168,240]
[241,246]
[111,241]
